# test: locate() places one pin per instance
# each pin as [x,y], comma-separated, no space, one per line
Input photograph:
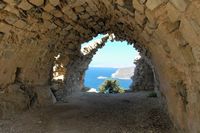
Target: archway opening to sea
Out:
[114,61]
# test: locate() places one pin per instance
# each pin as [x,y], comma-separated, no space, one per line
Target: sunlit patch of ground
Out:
[92,90]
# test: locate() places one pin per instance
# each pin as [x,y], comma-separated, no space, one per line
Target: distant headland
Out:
[124,73]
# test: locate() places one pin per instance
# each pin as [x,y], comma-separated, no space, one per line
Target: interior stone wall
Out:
[32,32]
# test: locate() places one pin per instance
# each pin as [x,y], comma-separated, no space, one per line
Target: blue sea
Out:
[94,77]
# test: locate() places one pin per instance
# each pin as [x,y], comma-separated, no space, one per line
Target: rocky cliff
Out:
[124,73]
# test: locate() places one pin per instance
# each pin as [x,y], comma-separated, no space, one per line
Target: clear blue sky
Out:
[114,54]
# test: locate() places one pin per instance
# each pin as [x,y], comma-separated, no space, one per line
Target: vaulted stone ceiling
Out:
[32,32]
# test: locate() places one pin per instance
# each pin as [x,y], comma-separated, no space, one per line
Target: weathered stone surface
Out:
[20,24]
[172,12]
[79,9]
[25,5]
[46,16]
[33,32]
[11,9]
[79,64]
[54,2]
[12,2]
[69,12]
[1,36]
[11,19]
[152,4]
[143,78]
[180,4]
[45,96]
[4,28]
[48,7]
[37,2]
[13,100]
[120,2]
[171,27]
[140,18]
[56,13]
[2,5]
[138,6]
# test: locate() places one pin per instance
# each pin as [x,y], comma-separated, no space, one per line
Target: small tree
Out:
[111,86]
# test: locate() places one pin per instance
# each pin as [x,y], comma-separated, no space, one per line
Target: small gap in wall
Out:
[58,69]
[18,75]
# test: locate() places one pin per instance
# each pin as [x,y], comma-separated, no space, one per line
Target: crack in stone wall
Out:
[32,32]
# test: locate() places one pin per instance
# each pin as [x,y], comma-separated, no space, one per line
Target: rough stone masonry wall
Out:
[143,78]
[74,79]
[32,32]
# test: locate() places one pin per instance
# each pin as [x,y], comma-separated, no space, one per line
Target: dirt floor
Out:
[94,113]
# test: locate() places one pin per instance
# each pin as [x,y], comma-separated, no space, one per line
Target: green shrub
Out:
[111,86]
[152,94]
[121,91]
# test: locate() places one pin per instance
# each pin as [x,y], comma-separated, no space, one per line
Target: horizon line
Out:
[111,67]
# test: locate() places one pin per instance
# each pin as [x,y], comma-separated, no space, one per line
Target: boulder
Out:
[13,100]
[44,95]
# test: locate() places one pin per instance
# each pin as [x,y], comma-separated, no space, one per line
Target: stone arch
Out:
[32,32]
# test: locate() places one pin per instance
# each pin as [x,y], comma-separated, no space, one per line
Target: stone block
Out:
[69,12]
[49,25]
[11,19]
[88,9]
[142,1]
[188,55]
[12,9]
[8,54]
[172,12]
[166,48]
[56,13]
[20,24]
[79,9]
[145,36]
[4,28]
[12,2]
[92,5]
[152,4]
[193,11]
[140,18]
[24,5]
[48,7]
[120,2]
[1,36]
[46,16]
[148,29]
[85,16]
[13,100]
[54,2]
[2,5]
[171,27]
[37,2]
[180,40]
[195,26]
[138,6]
[181,5]
[188,32]
[151,17]
[59,23]
[196,52]
[45,96]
